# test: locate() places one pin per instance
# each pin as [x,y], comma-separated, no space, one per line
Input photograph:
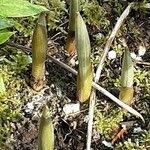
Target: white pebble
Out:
[137,130]
[30,106]
[108,144]
[138,58]
[111,54]
[71,108]
[142,50]
[133,55]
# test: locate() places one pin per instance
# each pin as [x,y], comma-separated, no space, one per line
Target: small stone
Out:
[142,50]
[137,130]
[30,106]
[72,62]
[77,62]
[71,108]
[108,144]
[133,55]
[111,54]
[138,58]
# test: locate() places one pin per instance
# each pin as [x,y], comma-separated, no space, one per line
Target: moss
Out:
[106,122]
[142,143]
[94,14]
[11,67]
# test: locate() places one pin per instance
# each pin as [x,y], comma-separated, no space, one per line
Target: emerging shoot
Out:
[39,48]
[46,131]
[85,74]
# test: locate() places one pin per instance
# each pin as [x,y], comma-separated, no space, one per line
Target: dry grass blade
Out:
[90,122]
[111,38]
[85,75]
[46,131]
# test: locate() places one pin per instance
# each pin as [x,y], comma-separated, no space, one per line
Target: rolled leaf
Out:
[127,75]
[85,74]
[39,49]
[74,8]
[70,42]
[46,131]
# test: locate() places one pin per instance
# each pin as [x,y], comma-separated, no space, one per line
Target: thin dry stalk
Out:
[110,40]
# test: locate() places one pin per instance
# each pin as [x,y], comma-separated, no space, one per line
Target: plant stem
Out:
[70,42]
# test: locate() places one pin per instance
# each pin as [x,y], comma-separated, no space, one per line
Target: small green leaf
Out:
[19,8]
[4,36]
[5,23]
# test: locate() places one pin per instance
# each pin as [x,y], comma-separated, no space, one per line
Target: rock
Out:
[71,108]
[108,144]
[111,54]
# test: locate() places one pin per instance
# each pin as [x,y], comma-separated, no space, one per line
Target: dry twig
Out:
[111,38]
